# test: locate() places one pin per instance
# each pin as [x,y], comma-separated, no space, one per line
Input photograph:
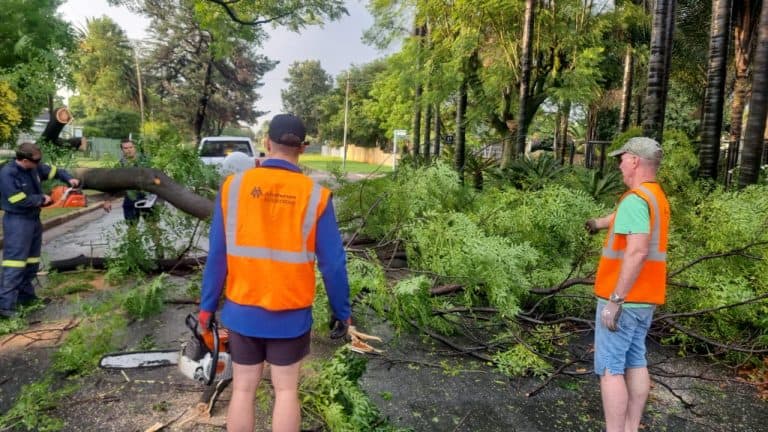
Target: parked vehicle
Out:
[213,150]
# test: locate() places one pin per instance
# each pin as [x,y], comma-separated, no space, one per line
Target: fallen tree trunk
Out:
[151,180]
[164,265]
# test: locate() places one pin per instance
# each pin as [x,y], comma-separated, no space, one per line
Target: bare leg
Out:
[245,381]
[638,387]
[286,416]
[613,389]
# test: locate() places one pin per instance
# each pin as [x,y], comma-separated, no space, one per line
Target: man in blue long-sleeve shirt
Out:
[21,196]
[269,226]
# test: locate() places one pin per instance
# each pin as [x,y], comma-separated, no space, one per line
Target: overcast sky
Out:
[336,46]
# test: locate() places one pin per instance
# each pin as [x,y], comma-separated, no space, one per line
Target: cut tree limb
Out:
[149,180]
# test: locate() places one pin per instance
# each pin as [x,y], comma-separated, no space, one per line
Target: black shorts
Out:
[247,350]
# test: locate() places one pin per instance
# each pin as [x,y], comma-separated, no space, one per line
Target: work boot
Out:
[8,314]
[31,300]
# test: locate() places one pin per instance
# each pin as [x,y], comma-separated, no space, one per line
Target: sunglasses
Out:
[36,161]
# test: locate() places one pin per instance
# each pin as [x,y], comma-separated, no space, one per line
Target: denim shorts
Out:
[624,348]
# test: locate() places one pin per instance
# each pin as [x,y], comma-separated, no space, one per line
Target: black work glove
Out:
[338,327]
[591,227]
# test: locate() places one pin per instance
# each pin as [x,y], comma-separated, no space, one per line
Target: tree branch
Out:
[226,5]
[732,252]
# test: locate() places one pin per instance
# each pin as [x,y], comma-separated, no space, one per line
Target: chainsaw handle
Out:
[215,354]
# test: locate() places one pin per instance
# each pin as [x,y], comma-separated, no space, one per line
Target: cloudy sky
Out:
[337,45]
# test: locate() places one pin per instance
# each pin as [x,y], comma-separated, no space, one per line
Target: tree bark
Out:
[564,114]
[626,90]
[744,30]
[427,133]
[758,108]
[653,123]
[418,32]
[437,130]
[203,103]
[525,79]
[460,156]
[714,97]
[146,179]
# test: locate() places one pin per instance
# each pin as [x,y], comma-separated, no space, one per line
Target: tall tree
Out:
[745,18]
[525,79]
[35,48]
[658,76]
[308,83]
[626,89]
[105,74]
[712,120]
[758,108]
[192,72]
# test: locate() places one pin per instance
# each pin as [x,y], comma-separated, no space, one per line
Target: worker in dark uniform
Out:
[21,197]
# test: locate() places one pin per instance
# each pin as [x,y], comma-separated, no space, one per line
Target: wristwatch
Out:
[616,299]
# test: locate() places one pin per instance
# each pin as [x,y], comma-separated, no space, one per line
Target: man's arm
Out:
[14,195]
[332,261]
[49,172]
[215,272]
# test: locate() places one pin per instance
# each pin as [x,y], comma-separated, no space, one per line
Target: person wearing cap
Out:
[270,224]
[630,283]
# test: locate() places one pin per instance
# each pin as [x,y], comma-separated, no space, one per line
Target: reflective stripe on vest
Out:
[33,260]
[230,228]
[13,199]
[14,263]
[654,252]
[52,174]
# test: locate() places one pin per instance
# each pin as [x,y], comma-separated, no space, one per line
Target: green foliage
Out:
[10,117]
[84,346]
[147,300]
[331,394]
[530,173]
[106,79]
[8,326]
[31,410]
[35,43]
[519,361]
[130,255]
[308,84]
[489,266]
[604,189]
[549,221]
[60,284]
[410,300]
[680,163]
[112,123]
[392,201]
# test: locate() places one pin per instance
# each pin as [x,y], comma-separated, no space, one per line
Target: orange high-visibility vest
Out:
[270,222]
[651,283]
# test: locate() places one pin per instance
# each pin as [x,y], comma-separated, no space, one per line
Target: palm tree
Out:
[758,108]
[745,13]
[658,76]
[626,89]
[712,121]
[525,79]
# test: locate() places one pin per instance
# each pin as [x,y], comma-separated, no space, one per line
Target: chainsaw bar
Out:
[139,359]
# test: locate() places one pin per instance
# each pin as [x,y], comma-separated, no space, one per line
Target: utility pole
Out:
[346,122]
[141,93]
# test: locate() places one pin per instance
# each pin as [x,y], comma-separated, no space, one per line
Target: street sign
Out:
[401,133]
[448,139]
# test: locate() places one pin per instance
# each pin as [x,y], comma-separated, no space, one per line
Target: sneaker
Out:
[9,314]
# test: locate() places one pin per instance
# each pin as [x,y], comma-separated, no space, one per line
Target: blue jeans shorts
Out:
[624,348]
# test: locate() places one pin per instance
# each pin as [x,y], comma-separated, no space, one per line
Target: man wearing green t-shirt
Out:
[630,283]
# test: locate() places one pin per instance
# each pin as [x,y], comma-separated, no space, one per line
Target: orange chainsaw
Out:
[63,196]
